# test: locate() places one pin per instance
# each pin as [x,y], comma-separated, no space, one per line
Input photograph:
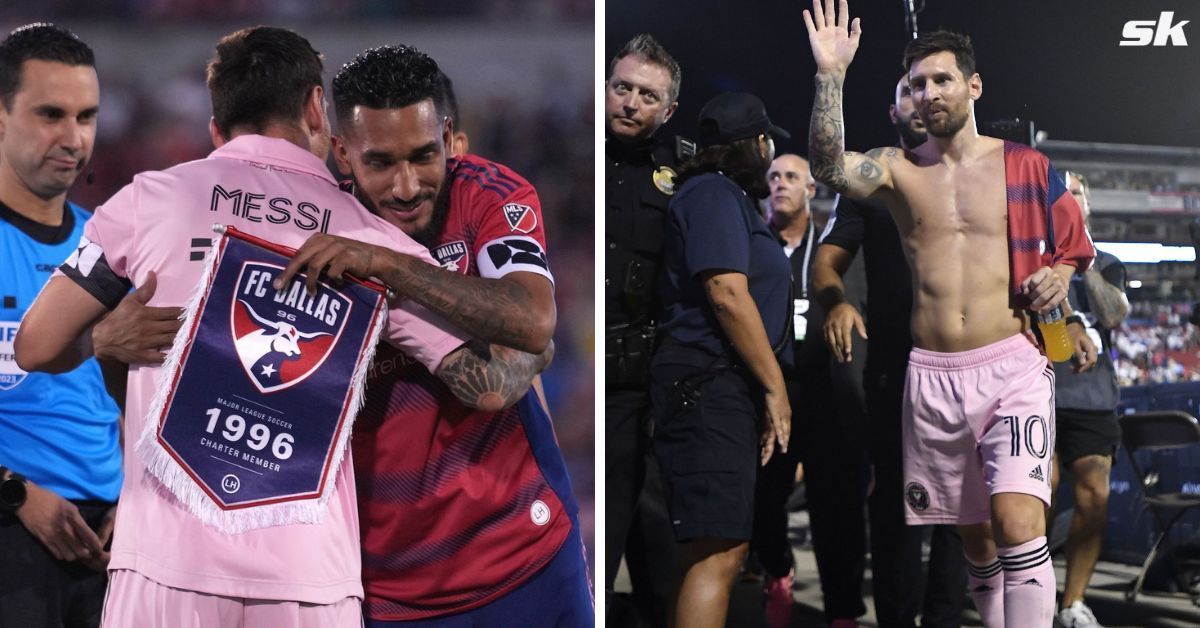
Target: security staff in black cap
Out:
[640,96]
[716,380]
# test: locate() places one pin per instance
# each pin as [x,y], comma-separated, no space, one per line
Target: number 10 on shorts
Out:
[1033,433]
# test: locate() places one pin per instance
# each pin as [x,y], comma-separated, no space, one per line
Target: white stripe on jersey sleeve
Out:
[513,253]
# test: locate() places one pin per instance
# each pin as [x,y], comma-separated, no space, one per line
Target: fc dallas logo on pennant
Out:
[521,218]
[282,337]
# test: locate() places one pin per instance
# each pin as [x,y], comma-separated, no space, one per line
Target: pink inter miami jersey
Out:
[459,506]
[162,222]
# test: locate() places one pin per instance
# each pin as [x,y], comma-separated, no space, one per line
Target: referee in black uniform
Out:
[640,96]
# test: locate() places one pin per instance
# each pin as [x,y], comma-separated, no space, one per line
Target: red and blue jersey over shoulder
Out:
[459,506]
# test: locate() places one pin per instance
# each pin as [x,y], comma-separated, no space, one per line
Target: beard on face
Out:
[437,218]
[441,207]
[910,137]
[949,126]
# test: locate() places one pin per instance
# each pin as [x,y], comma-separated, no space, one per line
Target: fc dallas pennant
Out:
[254,410]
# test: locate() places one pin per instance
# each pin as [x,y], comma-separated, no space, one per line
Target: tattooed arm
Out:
[481,376]
[516,310]
[1108,300]
[491,378]
[834,41]
[857,175]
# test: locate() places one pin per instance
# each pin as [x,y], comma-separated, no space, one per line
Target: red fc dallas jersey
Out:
[459,506]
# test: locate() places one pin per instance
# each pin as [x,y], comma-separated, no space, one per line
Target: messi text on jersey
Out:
[278,210]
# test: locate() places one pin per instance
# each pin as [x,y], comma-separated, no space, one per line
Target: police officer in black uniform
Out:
[640,96]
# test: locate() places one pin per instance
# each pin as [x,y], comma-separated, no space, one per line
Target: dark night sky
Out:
[1057,63]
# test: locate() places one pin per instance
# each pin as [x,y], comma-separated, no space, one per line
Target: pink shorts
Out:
[134,601]
[976,423]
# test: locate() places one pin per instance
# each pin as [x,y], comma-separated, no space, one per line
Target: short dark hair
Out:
[742,161]
[942,41]
[445,101]
[388,77]
[260,75]
[647,48]
[42,41]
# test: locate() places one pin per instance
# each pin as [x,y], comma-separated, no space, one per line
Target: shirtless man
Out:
[978,428]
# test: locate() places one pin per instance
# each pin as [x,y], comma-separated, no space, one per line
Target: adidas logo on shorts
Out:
[1037,474]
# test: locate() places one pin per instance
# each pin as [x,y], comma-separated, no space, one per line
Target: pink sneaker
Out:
[778,594]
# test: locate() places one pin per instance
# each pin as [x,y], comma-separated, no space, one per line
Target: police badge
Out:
[664,180]
[258,394]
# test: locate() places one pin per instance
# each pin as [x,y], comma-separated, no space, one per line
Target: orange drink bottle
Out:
[1053,325]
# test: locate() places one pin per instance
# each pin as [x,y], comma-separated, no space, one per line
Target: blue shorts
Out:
[558,596]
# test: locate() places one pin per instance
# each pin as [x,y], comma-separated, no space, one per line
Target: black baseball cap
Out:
[733,116]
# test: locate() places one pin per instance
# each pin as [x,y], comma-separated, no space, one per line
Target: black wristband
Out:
[1075,318]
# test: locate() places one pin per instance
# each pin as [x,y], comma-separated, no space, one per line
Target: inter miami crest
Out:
[282,337]
[917,496]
